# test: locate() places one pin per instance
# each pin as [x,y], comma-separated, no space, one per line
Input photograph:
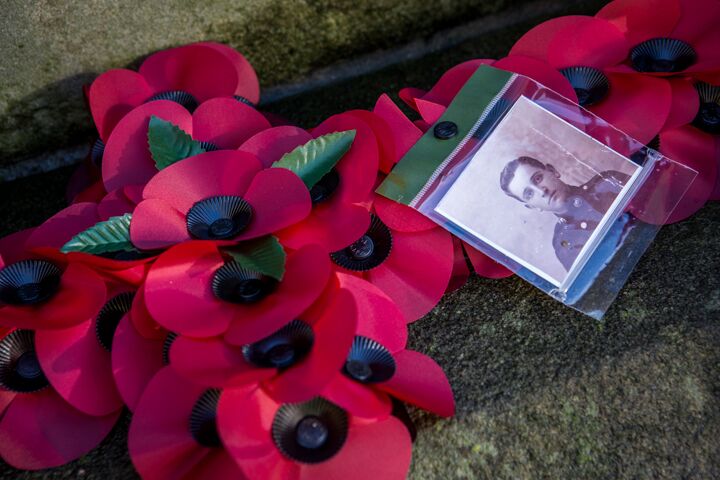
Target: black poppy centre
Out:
[708,117]
[235,284]
[367,252]
[29,282]
[310,432]
[203,419]
[20,369]
[369,361]
[662,55]
[187,100]
[591,85]
[282,349]
[109,318]
[218,218]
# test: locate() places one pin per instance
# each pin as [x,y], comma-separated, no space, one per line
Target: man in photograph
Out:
[579,209]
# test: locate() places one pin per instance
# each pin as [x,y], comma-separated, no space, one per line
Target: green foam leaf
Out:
[317,157]
[264,255]
[169,144]
[112,235]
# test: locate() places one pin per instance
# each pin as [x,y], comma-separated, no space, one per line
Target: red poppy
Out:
[221,195]
[38,428]
[174,434]
[220,123]
[669,37]
[189,75]
[657,201]
[76,360]
[194,281]
[38,293]
[336,218]
[315,439]
[292,364]
[378,365]
[129,267]
[405,254]
[639,105]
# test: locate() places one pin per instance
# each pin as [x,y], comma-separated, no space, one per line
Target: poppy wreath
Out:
[235,283]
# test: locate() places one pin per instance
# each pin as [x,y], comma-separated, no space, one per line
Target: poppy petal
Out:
[461,271]
[379,318]
[484,265]
[405,133]
[697,150]
[334,332]
[420,381]
[376,450]
[222,172]
[332,226]
[636,104]
[57,230]
[429,111]
[78,367]
[127,159]
[640,21]
[247,86]
[114,204]
[113,95]
[358,399]
[279,199]
[538,71]
[178,291]
[306,275]
[80,296]
[199,70]
[135,361]
[42,431]
[417,271]
[159,440]
[452,81]
[409,94]
[226,123]
[216,464]
[384,136]
[141,319]
[271,144]
[588,42]
[12,247]
[400,217]
[156,225]
[536,42]
[358,167]
[213,363]
[685,103]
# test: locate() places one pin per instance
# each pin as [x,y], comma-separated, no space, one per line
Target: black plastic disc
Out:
[129,255]
[590,84]
[368,251]
[209,146]
[29,282]
[218,218]
[236,284]
[369,362]
[109,317]
[203,423]
[244,100]
[445,130]
[178,96]
[662,55]
[283,348]
[167,344]
[96,152]
[325,187]
[310,432]
[708,117]
[20,369]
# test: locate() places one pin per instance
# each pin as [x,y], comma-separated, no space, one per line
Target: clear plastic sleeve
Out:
[542,186]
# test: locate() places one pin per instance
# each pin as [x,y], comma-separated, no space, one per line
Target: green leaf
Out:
[112,235]
[317,157]
[264,255]
[169,144]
